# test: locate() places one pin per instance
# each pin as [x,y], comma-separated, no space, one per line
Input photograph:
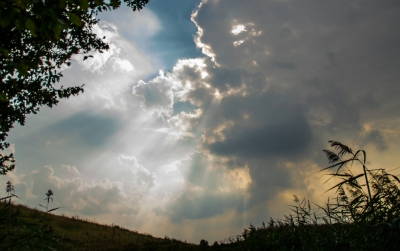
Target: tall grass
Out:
[371,195]
[364,215]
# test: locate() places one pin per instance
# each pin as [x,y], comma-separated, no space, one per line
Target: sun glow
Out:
[240,178]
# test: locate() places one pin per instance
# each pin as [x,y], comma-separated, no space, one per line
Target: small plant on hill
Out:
[49,196]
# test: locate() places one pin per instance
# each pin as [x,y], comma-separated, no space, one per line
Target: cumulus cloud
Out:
[71,169]
[135,175]
[282,78]
[88,198]
[113,56]
[157,95]
[161,93]
[209,189]
[109,75]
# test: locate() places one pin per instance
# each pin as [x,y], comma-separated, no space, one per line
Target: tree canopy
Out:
[37,38]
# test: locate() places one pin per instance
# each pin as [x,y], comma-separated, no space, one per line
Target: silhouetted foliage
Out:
[9,188]
[365,214]
[37,38]
[49,196]
[203,243]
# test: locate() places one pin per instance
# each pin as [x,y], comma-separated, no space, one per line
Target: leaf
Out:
[365,159]
[348,181]
[7,197]
[86,57]
[84,4]
[393,176]
[15,196]
[5,52]
[8,17]
[340,174]
[332,157]
[3,97]
[62,4]
[75,19]
[340,164]
[343,149]
[356,200]
[57,30]
[53,209]
[31,26]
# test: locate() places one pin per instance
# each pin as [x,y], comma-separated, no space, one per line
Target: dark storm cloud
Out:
[284,65]
[225,79]
[375,137]
[283,139]
[298,74]
[261,125]
[337,58]
[192,205]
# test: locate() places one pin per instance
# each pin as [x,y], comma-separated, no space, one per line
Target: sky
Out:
[206,116]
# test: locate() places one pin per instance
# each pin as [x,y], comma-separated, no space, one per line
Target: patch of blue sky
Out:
[186,106]
[175,39]
[162,30]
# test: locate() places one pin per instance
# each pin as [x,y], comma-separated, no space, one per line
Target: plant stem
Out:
[367,182]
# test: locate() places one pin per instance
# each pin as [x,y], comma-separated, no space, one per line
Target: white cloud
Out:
[238,29]
[143,24]
[71,169]
[97,62]
[123,65]
[135,176]
[157,95]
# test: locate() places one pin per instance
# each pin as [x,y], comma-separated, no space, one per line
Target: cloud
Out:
[71,169]
[144,24]
[90,129]
[278,128]
[135,175]
[209,189]
[157,95]
[89,198]
[123,65]
[108,76]
[375,137]
[281,79]
[161,93]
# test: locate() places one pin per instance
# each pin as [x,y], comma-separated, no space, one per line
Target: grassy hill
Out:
[24,228]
